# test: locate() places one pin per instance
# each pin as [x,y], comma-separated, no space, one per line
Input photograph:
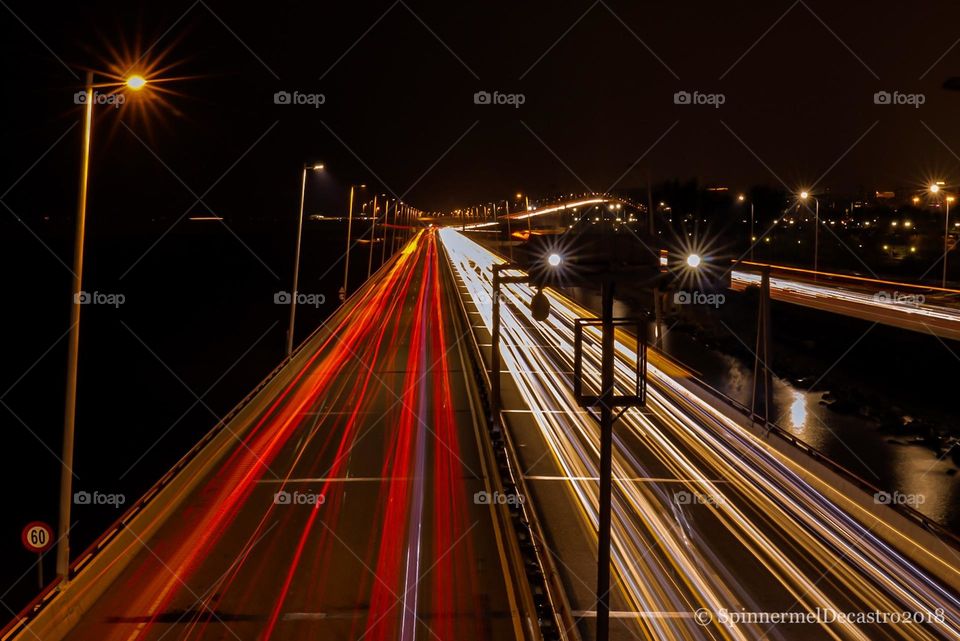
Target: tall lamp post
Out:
[373,232]
[741,198]
[506,209]
[296,255]
[526,208]
[935,189]
[804,195]
[134,83]
[946,237]
[346,265]
[386,230]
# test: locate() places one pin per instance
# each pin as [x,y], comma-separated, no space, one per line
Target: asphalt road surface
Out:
[347,509]
[716,535]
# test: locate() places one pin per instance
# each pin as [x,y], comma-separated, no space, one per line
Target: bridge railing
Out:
[839,278]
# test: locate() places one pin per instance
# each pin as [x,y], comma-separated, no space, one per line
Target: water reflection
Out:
[798,411]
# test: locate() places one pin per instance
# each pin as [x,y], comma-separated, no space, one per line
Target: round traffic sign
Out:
[37,537]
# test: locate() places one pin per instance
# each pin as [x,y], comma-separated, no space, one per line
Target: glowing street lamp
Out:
[134,83]
[296,255]
[346,264]
[935,189]
[554,260]
[804,195]
[694,261]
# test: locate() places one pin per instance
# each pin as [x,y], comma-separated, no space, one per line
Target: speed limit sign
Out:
[37,537]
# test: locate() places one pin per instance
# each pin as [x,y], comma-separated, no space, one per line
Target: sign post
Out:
[37,537]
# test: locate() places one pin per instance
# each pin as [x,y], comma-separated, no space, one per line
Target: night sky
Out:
[598,83]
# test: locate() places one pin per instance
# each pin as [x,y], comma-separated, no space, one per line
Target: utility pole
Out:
[763,383]
[346,266]
[296,264]
[386,230]
[606,460]
[509,231]
[608,400]
[373,236]
[73,346]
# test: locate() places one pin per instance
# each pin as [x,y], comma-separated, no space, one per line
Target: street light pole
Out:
[396,222]
[373,233]
[816,230]
[346,265]
[134,83]
[296,263]
[506,204]
[386,229]
[741,198]
[296,256]
[816,238]
[946,237]
[73,345]
[526,204]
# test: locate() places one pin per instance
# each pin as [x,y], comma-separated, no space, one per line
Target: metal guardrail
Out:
[544,579]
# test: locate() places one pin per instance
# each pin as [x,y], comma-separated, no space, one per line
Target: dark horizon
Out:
[598,84]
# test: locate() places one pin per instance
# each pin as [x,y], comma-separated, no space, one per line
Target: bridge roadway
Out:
[919,308]
[374,415]
[710,517]
[345,508]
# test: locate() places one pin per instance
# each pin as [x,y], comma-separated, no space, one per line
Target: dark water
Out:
[890,462]
[197,329]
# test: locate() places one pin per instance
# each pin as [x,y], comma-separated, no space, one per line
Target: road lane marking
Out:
[339,479]
[630,614]
[633,479]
